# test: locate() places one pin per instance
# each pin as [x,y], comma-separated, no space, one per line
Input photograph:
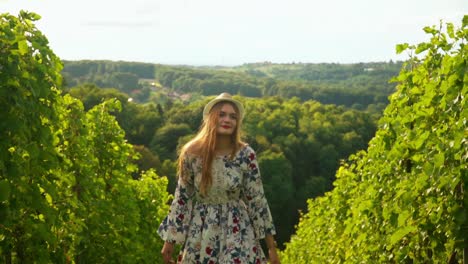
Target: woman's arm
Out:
[174,228]
[254,198]
[166,252]
[270,241]
[272,253]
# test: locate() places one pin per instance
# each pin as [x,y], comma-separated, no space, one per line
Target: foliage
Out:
[147,160]
[279,189]
[403,200]
[66,191]
[166,139]
[104,73]
[138,120]
[29,78]
[361,85]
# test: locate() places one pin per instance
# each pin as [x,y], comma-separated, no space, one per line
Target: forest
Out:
[360,162]
[360,86]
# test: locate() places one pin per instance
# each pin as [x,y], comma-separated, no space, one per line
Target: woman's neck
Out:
[224,145]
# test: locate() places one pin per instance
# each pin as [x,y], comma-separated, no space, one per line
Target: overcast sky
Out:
[221,32]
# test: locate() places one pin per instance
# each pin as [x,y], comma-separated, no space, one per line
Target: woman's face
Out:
[227,120]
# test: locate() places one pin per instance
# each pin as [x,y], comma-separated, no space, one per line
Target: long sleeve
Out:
[175,226]
[254,197]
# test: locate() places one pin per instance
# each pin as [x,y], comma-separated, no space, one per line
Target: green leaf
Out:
[402,218]
[400,233]
[422,47]
[34,16]
[420,141]
[439,160]
[23,47]
[417,157]
[401,47]
[450,30]
[430,30]
[428,168]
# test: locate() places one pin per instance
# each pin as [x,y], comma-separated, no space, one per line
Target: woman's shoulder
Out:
[246,149]
[191,149]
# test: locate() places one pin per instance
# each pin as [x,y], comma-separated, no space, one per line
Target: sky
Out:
[234,32]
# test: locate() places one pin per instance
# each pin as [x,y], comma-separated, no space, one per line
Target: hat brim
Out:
[213,102]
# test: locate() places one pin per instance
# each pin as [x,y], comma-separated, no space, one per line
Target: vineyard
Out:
[404,200]
[71,192]
[65,190]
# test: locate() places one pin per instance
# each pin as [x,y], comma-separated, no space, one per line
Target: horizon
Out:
[233,66]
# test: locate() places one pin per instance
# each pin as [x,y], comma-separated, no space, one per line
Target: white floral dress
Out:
[227,224]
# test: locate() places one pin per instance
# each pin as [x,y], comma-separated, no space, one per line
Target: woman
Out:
[219,212]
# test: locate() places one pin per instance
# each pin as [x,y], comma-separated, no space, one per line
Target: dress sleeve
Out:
[175,226]
[254,197]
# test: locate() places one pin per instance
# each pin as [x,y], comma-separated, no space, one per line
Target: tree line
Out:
[361,86]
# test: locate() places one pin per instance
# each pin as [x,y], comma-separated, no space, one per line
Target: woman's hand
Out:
[166,252]
[273,256]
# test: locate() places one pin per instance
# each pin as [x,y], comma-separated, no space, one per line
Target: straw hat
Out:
[224,97]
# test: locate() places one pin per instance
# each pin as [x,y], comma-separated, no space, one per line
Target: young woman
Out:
[219,212]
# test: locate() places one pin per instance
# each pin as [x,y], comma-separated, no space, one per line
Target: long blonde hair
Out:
[204,145]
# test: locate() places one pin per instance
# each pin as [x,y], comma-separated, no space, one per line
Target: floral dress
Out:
[224,226]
